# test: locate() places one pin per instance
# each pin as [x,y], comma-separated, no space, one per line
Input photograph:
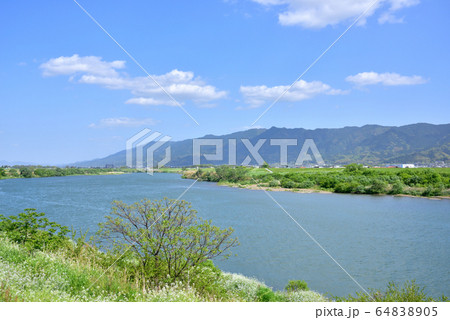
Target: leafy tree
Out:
[2,172]
[378,186]
[231,174]
[264,294]
[26,172]
[354,167]
[33,230]
[397,188]
[286,183]
[296,285]
[166,236]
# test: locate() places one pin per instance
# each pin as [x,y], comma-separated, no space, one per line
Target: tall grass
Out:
[80,272]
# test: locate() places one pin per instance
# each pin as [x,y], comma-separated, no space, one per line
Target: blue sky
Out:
[69,93]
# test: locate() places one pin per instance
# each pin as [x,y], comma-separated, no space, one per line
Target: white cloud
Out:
[76,64]
[256,96]
[321,13]
[390,17]
[150,102]
[122,122]
[181,85]
[386,79]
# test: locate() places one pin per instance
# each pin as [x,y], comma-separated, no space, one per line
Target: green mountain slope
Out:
[370,144]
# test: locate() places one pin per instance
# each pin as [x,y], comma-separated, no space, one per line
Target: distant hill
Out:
[370,144]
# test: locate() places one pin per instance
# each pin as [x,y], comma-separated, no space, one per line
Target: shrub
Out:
[286,183]
[306,184]
[432,191]
[378,186]
[26,172]
[265,294]
[205,279]
[34,230]
[397,188]
[296,285]
[409,292]
[274,183]
[166,237]
[353,167]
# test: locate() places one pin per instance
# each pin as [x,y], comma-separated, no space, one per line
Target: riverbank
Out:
[429,183]
[75,273]
[45,172]
[279,189]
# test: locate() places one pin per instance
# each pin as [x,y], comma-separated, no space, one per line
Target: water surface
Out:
[377,239]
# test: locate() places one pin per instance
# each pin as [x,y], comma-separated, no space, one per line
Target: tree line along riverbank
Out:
[49,171]
[354,179]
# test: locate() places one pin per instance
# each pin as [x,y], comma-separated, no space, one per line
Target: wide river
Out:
[376,239]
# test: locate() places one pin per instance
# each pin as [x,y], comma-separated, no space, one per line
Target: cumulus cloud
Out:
[256,96]
[76,64]
[122,122]
[182,85]
[386,79]
[321,13]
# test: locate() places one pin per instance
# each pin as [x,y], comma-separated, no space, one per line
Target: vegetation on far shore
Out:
[49,171]
[161,251]
[354,178]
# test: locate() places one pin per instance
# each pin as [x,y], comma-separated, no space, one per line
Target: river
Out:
[376,239]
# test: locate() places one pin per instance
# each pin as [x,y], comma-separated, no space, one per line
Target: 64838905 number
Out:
[406,311]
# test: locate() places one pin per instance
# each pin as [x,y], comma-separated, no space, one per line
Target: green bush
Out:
[34,230]
[26,172]
[409,292]
[274,183]
[286,183]
[205,279]
[397,188]
[296,285]
[354,168]
[265,294]
[306,184]
[378,186]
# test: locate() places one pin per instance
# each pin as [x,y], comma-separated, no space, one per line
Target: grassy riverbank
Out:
[75,274]
[355,179]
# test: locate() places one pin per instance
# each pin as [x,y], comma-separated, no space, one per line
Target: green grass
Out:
[70,275]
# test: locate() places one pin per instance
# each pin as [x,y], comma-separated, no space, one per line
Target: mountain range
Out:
[370,144]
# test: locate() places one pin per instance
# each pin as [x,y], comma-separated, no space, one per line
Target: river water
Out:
[376,239]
